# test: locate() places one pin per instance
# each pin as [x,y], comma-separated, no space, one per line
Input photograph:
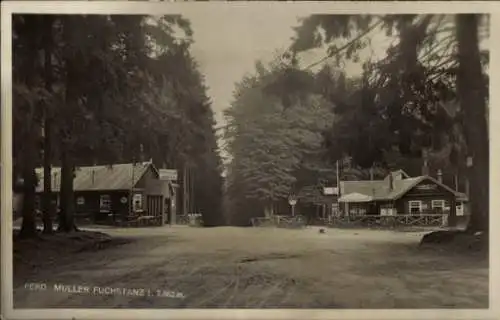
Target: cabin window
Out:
[80,201]
[437,206]
[387,210]
[415,207]
[460,209]
[137,201]
[356,209]
[105,203]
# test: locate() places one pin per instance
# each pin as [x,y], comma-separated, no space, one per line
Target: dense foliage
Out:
[407,110]
[411,108]
[100,89]
[274,138]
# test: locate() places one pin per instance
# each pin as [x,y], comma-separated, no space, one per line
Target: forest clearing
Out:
[130,121]
[260,268]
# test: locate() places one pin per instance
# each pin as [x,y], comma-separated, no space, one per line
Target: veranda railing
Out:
[408,220]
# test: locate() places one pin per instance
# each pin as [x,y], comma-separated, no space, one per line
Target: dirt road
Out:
[186,267]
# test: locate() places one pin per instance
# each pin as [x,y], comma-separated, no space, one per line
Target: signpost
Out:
[292,201]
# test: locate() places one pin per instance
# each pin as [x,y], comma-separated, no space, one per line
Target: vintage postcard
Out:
[260,160]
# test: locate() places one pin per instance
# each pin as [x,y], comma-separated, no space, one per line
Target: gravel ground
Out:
[182,267]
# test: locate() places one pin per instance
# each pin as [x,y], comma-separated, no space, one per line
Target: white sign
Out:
[469,162]
[80,200]
[168,174]
[330,191]
[426,187]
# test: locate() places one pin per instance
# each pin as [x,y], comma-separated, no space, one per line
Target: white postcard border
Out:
[119,7]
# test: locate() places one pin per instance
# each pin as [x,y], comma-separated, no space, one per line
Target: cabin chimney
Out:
[440,176]
[371,173]
[93,176]
[425,166]
[141,153]
[391,182]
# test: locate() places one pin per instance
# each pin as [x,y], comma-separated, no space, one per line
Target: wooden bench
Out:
[148,220]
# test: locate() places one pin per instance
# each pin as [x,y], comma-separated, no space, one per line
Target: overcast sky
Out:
[227,45]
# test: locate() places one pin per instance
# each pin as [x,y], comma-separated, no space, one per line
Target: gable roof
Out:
[92,178]
[379,189]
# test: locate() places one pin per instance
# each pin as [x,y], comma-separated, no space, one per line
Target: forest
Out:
[112,88]
[106,89]
[424,104]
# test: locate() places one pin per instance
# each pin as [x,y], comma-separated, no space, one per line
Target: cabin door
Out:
[154,205]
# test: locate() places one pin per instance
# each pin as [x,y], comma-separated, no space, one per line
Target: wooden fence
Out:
[370,221]
[280,221]
[193,220]
[400,220]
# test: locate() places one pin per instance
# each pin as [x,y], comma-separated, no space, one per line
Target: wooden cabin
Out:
[116,193]
[400,194]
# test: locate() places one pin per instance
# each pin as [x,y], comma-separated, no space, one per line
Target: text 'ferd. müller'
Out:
[107,291]
[104,291]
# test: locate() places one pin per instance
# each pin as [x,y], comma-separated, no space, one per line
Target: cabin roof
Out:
[94,178]
[379,189]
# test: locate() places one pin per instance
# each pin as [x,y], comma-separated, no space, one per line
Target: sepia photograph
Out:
[246,158]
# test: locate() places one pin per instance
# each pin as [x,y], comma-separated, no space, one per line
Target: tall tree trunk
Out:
[66,220]
[30,135]
[184,190]
[471,92]
[47,143]
[67,128]
[47,180]
[28,227]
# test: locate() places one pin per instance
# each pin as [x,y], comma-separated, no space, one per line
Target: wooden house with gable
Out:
[118,193]
[399,194]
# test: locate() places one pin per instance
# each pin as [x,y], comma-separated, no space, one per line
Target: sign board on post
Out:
[292,201]
[330,191]
[168,174]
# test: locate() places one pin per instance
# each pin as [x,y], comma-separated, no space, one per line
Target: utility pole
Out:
[192,206]
[338,186]
[338,178]
[184,191]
